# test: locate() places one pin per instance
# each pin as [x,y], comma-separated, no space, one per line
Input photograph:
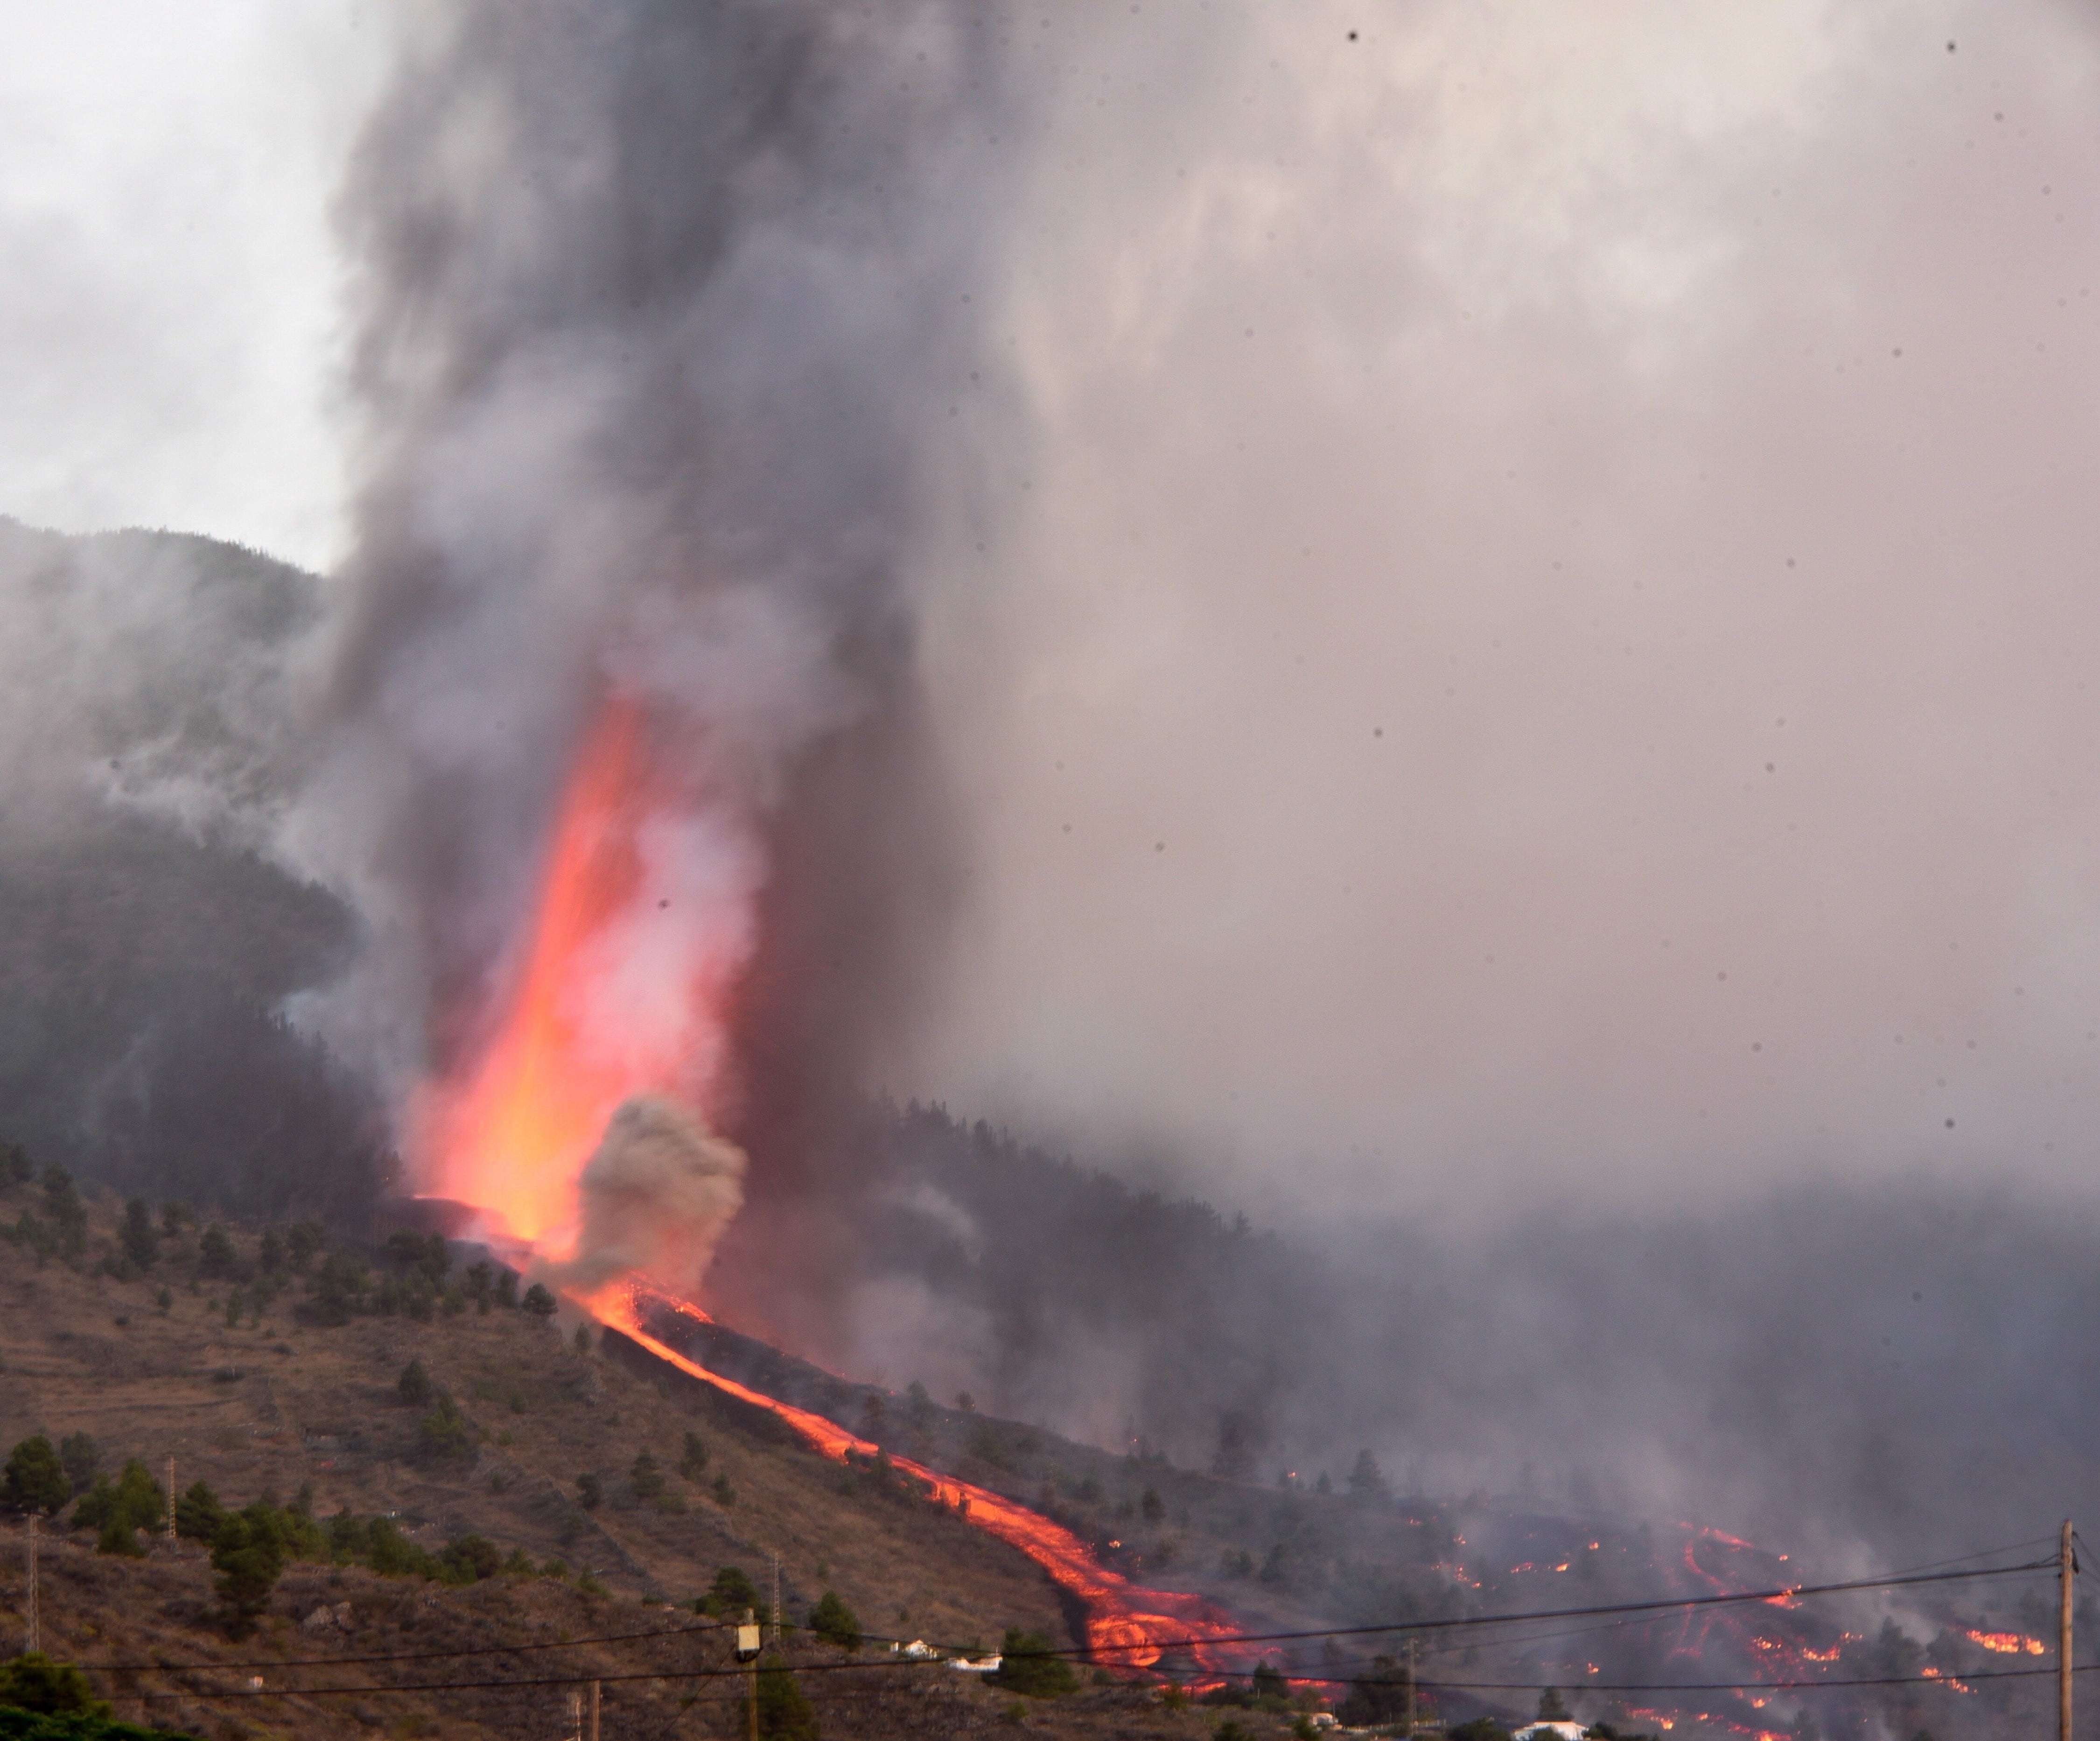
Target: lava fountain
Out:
[642,922]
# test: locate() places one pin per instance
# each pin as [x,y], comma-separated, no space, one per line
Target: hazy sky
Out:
[1546,638]
[170,317]
[1515,615]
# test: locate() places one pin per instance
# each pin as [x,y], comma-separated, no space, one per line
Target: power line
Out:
[1611,1625]
[413,1656]
[1786,1593]
[1945,1678]
[1652,1609]
[811,1668]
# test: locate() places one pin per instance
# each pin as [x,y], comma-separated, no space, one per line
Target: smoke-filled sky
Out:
[1504,590]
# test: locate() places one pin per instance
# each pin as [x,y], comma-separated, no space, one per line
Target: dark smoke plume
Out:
[661,304]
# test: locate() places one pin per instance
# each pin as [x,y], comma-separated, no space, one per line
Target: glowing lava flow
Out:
[1127,1625]
[2010,1644]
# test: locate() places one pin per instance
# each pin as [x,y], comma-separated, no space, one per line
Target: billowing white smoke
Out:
[656,1196]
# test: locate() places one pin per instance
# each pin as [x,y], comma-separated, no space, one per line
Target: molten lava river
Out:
[1127,1626]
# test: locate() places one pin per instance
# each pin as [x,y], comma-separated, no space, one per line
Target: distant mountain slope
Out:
[146,741]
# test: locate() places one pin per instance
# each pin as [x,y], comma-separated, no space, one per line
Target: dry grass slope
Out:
[277,1406]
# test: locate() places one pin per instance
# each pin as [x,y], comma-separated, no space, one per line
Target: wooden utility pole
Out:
[171,1499]
[35,1642]
[1410,1686]
[748,1642]
[2066,1568]
[594,1703]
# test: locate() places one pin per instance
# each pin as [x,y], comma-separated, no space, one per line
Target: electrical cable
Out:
[416,1656]
[1583,1631]
[1785,1593]
[1649,1620]
[807,1669]
[1651,1609]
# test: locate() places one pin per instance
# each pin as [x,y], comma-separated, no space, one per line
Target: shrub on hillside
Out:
[835,1623]
[68,1213]
[1028,1665]
[413,1386]
[15,1168]
[539,1302]
[198,1513]
[1379,1697]
[446,1435]
[693,1464]
[33,1682]
[730,1593]
[391,1554]
[248,1552]
[469,1560]
[338,1291]
[133,1501]
[426,1256]
[215,1250]
[784,1713]
[647,1479]
[35,1479]
[142,1242]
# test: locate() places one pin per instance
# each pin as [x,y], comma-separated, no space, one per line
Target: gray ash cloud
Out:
[659,306]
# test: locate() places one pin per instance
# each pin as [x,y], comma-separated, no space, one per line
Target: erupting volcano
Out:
[615,1018]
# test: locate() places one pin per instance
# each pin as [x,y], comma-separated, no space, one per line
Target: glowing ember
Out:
[2010,1644]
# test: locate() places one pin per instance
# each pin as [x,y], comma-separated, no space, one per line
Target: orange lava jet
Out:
[1127,1626]
[641,923]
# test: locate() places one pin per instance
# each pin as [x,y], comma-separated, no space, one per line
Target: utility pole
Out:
[171,1499]
[1410,1686]
[34,1633]
[748,1636]
[594,1703]
[776,1602]
[2067,1569]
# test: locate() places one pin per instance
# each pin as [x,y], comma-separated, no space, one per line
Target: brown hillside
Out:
[277,1405]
